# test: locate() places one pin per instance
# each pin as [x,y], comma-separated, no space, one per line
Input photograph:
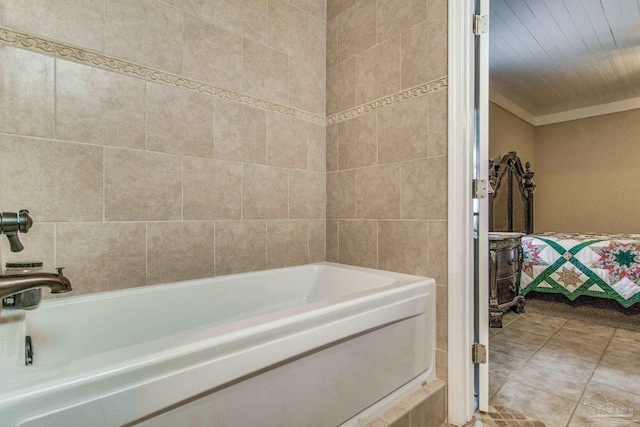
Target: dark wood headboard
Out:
[511,204]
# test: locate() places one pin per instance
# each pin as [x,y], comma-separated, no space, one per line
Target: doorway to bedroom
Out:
[564,126]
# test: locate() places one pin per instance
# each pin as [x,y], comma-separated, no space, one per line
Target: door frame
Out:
[461,46]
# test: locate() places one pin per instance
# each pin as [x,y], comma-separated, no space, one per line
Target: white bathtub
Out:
[311,345]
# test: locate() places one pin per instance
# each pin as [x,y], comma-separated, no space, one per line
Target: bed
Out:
[571,264]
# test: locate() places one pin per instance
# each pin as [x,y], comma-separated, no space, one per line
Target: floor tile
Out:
[546,407]
[509,317]
[557,383]
[590,328]
[624,346]
[582,337]
[617,378]
[522,336]
[623,361]
[527,325]
[606,399]
[518,350]
[627,335]
[574,349]
[560,362]
[503,365]
[546,319]
[496,382]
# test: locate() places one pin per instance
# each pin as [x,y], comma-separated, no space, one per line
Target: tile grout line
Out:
[591,377]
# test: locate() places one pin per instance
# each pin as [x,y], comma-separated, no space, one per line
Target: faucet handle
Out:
[59,270]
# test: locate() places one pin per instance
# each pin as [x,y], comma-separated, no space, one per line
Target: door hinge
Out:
[480,189]
[478,353]
[480,24]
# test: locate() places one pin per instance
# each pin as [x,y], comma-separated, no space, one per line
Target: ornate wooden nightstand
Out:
[505,252]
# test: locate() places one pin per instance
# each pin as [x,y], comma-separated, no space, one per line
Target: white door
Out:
[481,203]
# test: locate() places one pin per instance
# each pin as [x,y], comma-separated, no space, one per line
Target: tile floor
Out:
[558,371]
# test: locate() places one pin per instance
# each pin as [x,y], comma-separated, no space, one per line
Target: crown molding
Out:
[593,111]
[511,107]
[91,58]
[563,116]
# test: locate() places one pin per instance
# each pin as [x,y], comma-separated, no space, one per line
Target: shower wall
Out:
[155,141]
[387,140]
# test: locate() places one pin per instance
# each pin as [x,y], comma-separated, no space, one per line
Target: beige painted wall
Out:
[387,168]
[510,133]
[587,175]
[132,182]
[586,171]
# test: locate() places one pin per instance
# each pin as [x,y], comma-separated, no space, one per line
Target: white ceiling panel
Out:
[550,56]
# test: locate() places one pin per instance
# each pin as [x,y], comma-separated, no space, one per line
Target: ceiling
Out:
[552,56]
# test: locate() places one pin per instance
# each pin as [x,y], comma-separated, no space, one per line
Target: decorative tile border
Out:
[84,56]
[396,98]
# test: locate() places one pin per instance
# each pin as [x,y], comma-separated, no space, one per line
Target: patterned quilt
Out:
[606,266]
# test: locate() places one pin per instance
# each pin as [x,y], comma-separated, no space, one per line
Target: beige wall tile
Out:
[287,243]
[307,194]
[144,31]
[403,246]
[332,241]
[442,313]
[316,8]
[241,246]
[356,29]
[265,72]
[70,21]
[212,189]
[403,130]
[27,97]
[278,29]
[358,142]
[341,195]
[424,188]
[341,86]
[299,34]
[179,121]
[378,191]
[317,147]
[332,43]
[102,256]
[438,251]
[438,123]
[212,54]
[287,141]
[142,186]
[245,17]
[336,7]
[358,243]
[179,251]
[442,362]
[240,133]
[395,16]
[332,147]
[424,52]
[317,240]
[288,29]
[378,71]
[317,43]
[55,181]
[202,8]
[39,245]
[265,192]
[307,87]
[98,106]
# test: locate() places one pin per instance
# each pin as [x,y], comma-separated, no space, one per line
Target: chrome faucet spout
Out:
[15,283]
